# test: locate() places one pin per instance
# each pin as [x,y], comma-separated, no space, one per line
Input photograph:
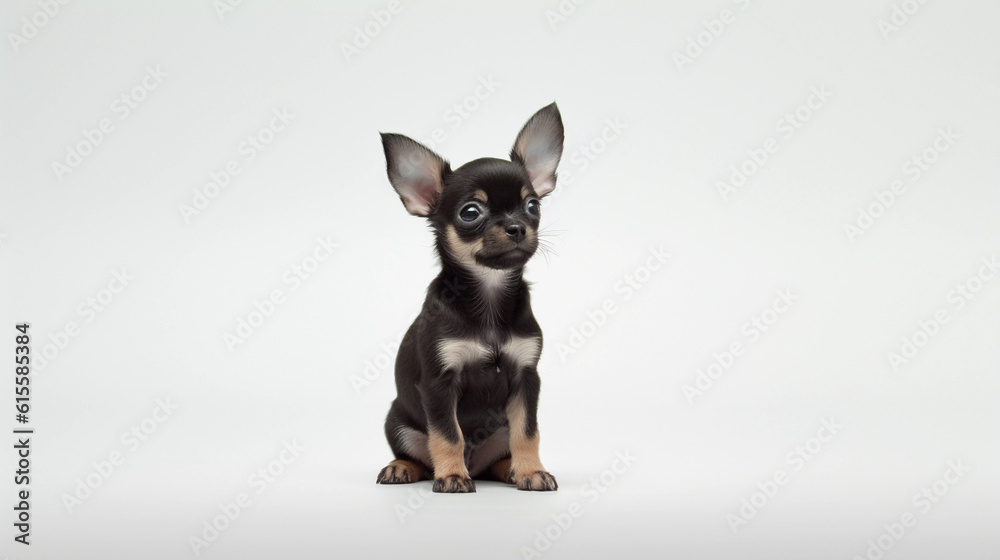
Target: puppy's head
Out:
[486,212]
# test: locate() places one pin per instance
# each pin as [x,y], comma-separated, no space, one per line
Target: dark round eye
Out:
[533,207]
[470,213]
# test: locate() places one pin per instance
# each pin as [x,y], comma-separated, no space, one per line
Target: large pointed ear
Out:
[539,147]
[415,172]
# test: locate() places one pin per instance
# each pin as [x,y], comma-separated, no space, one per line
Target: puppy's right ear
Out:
[415,172]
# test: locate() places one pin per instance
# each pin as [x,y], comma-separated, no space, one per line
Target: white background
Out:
[618,388]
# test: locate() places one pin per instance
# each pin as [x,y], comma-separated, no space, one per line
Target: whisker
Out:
[547,247]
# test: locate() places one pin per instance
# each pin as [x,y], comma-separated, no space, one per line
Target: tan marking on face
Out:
[447,458]
[523,449]
[463,251]
[497,237]
[480,195]
[525,192]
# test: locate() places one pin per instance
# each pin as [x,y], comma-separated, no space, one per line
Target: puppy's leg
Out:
[486,451]
[409,446]
[444,439]
[526,468]
[501,471]
[450,473]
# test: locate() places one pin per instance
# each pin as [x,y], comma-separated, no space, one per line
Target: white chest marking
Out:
[456,353]
[523,351]
[494,282]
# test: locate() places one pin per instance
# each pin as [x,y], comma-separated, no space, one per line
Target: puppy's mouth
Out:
[503,260]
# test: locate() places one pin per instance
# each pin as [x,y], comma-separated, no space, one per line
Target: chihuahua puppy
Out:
[466,373]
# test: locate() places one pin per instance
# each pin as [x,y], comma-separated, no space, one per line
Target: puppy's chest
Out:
[486,357]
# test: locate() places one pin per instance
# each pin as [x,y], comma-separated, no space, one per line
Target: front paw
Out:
[400,472]
[454,484]
[538,480]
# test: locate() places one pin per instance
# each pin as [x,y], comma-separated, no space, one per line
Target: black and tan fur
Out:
[466,373]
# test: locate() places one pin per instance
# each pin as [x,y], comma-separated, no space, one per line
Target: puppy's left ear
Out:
[539,147]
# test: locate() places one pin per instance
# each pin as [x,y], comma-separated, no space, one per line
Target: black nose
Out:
[515,232]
